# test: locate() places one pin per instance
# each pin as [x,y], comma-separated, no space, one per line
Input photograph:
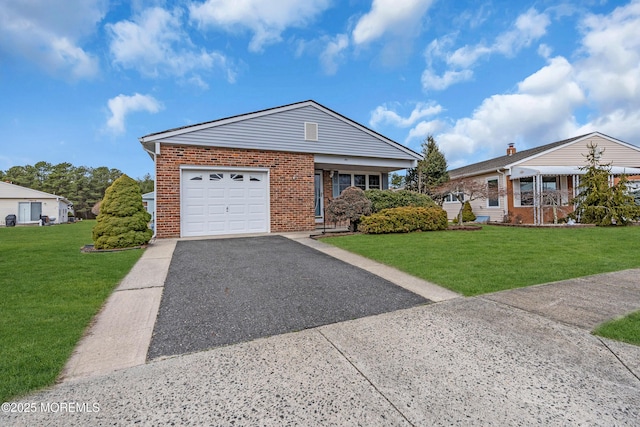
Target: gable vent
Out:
[310,131]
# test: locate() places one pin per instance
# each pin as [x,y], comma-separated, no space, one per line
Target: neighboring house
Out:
[28,205]
[268,171]
[149,203]
[536,182]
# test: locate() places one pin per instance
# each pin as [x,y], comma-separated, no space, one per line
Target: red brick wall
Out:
[524,214]
[291,180]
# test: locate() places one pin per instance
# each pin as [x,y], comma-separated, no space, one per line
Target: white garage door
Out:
[224,202]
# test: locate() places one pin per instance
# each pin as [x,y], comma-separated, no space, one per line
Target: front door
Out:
[319,196]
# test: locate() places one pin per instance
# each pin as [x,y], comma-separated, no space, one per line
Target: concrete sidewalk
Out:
[120,334]
[465,361]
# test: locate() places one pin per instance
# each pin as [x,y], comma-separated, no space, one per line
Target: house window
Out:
[526,191]
[453,197]
[493,201]
[550,193]
[344,181]
[362,181]
[374,182]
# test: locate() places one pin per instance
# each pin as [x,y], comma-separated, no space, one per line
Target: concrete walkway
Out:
[518,357]
[121,332]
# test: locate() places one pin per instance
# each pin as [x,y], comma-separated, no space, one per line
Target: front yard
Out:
[497,258]
[50,293]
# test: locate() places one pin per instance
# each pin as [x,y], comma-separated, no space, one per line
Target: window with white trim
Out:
[360,180]
[493,196]
[453,197]
[526,191]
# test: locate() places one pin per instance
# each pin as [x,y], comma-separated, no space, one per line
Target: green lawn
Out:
[50,293]
[626,329]
[497,258]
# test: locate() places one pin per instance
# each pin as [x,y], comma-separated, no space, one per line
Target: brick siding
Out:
[291,179]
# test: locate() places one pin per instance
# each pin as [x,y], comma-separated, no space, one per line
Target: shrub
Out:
[467,213]
[123,220]
[350,205]
[387,199]
[404,220]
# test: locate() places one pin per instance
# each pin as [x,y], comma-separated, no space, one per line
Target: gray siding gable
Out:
[282,129]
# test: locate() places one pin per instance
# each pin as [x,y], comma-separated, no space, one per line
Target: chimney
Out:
[511,150]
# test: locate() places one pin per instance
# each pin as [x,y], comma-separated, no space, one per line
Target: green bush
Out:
[404,220]
[387,199]
[467,213]
[123,220]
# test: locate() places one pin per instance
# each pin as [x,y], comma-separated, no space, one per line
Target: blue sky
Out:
[81,80]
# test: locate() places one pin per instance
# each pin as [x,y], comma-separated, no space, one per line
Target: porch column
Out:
[537,200]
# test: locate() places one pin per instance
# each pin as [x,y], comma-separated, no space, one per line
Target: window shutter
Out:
[385,181]
[310,131]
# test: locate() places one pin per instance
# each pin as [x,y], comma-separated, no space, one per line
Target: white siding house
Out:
[523,177]
[28,205]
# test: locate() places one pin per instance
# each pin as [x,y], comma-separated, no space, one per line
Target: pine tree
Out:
[123,220]
[599,203]
[430,172]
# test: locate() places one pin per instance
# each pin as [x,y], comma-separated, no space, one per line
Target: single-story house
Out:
[268,171]
[523,178]
[28,205]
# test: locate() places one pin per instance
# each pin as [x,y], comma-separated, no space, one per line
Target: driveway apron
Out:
[225,291]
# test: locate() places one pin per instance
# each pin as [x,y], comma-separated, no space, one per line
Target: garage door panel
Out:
[216,211]
[255,209]
[216,193]
[222,202]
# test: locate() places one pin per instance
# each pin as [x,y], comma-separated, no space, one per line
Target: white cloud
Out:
[528,28]
[49,33]
[384,115]
[122,105]
[154,43]
[601,86]
[401,18]
[333,53]
[540,111]
[266,19]
[432,81]
[610,69]
[424,129]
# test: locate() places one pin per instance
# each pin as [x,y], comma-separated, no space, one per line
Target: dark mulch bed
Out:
[91,249]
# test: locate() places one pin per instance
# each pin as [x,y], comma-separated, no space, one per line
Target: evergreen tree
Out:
[599,203]
[430,172]
[123,220]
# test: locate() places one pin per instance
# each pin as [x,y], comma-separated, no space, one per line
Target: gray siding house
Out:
[267,171]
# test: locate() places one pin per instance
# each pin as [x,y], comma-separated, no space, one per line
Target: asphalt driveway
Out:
[226,291]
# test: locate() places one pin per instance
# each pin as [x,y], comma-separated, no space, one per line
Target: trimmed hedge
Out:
[404,220]
[387,199]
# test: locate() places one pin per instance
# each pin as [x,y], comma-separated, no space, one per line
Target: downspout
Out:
[156,153]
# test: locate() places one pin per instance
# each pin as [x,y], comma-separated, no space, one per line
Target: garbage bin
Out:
[10,220]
